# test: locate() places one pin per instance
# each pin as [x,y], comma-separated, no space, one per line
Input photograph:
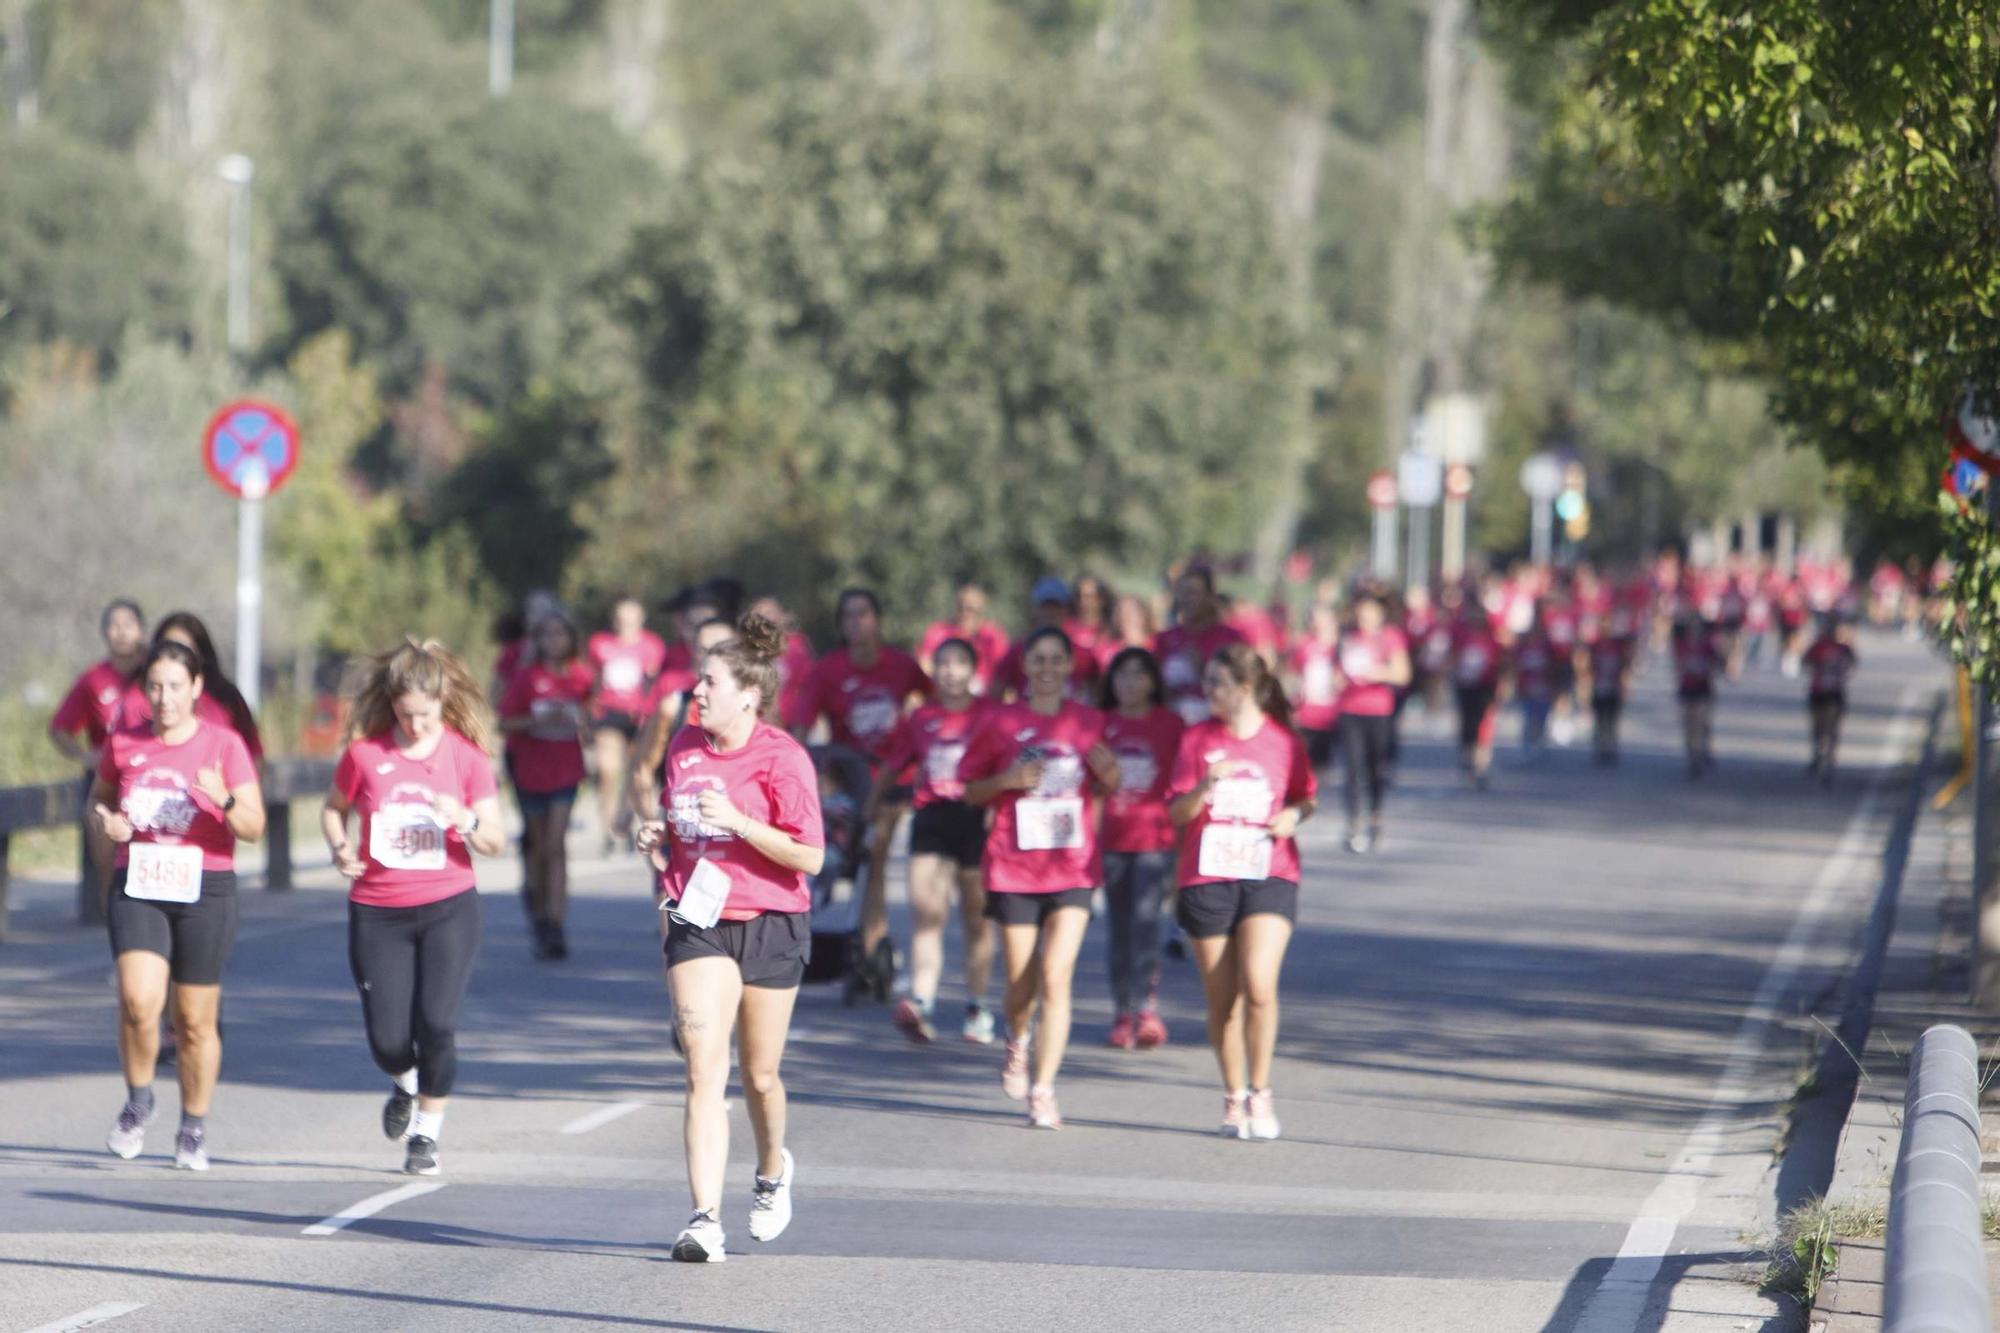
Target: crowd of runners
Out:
[1158,751]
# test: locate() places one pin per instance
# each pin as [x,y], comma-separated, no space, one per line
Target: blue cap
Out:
[1049,588]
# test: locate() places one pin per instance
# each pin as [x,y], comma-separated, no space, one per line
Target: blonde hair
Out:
[376,682]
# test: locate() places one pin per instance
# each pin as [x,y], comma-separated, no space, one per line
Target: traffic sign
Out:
[250,448]
[1420,479]
[1542,476]
[1457,482]
[1382,490]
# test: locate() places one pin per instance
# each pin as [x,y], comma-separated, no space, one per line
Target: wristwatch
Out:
[471,828]
[229,803]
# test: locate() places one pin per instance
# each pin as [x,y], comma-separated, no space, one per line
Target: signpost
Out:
[1420,479]
[1382,499]
[1457,489]
[250,449]
[1542,480]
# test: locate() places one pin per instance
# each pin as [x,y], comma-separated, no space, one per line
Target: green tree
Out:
[88,250]
[1010,325]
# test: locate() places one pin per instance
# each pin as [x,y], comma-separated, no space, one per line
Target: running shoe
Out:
[1123,1035]
[978,1027]
[190,1151]
[771,1203]
[421,1158]
[543,946]
[558,942]
[396,1113]
[1235,1115]
[1356,843]
[1263,1116]
[1042,1112]
[882,968]
[1151,1031]
[913,1020]
[700,1242]
[128,1135]
[1014,1073]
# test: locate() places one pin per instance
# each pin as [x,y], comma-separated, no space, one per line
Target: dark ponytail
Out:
[1246,668]
[752,657]
[215,681]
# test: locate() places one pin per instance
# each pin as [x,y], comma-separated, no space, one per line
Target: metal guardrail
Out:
[1934,1278]
[60,804]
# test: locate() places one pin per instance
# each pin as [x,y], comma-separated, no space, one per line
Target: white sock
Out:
[427,1125]
[407,1081]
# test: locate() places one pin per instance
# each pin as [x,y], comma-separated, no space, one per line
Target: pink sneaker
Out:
[1263,1115]
[1014,1073]
[1042,1113]
[1151,1031]
[1236,1115]
[1122,1035]
[914,1021]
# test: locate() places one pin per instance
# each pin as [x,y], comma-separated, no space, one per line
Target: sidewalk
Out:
[1925,981]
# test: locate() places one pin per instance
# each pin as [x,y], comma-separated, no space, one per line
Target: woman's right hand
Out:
[116,827]
[347,863]
[1025,775]
[650,836]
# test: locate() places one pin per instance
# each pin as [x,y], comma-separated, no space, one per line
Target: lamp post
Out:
[239,171]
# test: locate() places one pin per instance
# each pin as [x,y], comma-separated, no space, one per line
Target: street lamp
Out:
[238,170]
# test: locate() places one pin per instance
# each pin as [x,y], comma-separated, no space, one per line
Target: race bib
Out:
[164,874]
[622,675]
[1235,851]
[1048,823]
[1472,665]
[553,720]
[702,898]
[1245,799]
[406,836]
[1318,681]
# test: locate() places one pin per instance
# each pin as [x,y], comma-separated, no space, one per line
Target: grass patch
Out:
[1806,1250]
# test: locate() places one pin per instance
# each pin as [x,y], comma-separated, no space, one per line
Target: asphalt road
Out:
[1532,1073]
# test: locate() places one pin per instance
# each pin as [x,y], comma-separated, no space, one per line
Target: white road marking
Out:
[91,1318]
[372,1205]
[603,1115]
[1621,1296]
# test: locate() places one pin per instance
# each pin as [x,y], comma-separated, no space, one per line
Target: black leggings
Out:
[1366,741]
[412,965]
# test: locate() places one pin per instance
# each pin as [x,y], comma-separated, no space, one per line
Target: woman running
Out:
[1478,665]
[219,702]
[544,715]
[1375,664]
[1828,663]
[625,660]
[1035,762]
[863,688]
[1611,655]
[947,842]
[1131,627]
[1313,663]
[1143,735]
[1697,662]
[416,772]
[175,797]
[1197,634]
[83,720]
[970,623]
[1241,786]
[1538,677]
[740,843]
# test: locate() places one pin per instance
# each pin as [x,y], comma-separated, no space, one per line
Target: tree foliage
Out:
[1005,326]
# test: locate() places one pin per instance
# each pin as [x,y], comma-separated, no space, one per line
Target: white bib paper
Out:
[1192,708]
[703,897]
[1235,851]
[162,874]
[406,836]
[1048,823]
[941,765]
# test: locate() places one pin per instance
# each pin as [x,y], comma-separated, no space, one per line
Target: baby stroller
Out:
[844,783]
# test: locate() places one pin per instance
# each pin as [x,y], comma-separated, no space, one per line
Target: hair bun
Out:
[760,637]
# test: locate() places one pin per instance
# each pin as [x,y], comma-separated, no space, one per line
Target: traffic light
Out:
[1572,506]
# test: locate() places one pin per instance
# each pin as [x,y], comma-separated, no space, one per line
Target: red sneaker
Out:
[1122,1035]
[1150,1031]
[915,1021]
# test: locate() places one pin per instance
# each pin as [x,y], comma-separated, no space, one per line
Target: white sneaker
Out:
[1235,1115]
[128,1134]
[1014,1071]
[190,1152]
[978,1027]
[1042,1112]
[1263,1115]
[771,1202]
[700,1242]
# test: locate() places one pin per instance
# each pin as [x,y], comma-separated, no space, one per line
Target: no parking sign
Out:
[250,448]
